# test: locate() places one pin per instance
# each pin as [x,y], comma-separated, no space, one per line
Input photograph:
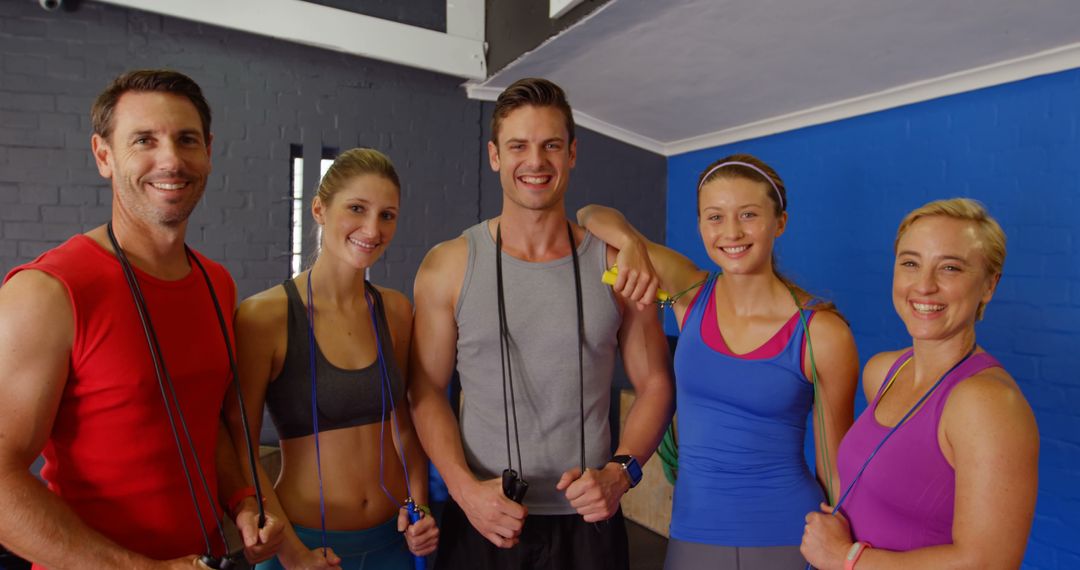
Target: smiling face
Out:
[533,157]
[360,220]
[156,156]
[941,277]
[738,224]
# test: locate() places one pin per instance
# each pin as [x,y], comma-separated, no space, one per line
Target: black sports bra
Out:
[346,398]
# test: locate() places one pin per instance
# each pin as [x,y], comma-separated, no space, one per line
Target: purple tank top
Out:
[904,499]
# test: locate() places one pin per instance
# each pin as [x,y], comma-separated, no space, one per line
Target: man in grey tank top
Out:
[573,518]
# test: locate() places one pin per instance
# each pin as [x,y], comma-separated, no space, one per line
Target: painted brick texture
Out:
[265,95]
[1015,148]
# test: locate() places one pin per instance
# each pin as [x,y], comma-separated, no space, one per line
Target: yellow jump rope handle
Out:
[612,274]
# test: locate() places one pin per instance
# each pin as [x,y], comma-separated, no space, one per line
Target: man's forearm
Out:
[38,526]
[646,421]
[438,430]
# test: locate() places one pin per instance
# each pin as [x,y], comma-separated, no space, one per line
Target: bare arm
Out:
[399,315]
[837,362]
[431,363]
[596,494]
[648,366]
[434,347]
[994,441]
[260,336]
[35,523]
[643,265]
[423,536]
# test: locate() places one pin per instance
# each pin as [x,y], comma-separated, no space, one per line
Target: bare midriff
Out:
[350,478]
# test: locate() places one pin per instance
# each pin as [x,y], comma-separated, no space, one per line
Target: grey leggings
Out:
[697,556]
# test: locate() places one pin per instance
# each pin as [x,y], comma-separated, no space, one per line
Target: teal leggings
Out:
[377,548]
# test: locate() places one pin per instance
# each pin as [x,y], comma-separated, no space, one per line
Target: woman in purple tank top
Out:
[745,380]
[941,470]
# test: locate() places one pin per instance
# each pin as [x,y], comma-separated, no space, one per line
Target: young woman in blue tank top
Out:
[329,336]
[744,374]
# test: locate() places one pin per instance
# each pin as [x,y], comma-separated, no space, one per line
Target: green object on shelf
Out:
[669,454]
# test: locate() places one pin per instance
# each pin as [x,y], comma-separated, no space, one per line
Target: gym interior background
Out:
[1013,145]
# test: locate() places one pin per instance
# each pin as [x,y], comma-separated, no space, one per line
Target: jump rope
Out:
[513,481]
[663,299]
[414,512]
[893,430]
[172,404]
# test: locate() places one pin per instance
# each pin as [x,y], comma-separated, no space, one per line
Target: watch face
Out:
[630,464]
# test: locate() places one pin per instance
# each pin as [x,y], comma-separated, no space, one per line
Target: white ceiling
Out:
[678,75]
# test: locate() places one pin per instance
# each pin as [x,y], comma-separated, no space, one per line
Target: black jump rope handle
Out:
[215,563]
[514,487]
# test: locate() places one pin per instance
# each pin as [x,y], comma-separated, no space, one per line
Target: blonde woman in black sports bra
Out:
[348,513]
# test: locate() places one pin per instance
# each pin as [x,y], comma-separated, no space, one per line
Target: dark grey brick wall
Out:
[266,95]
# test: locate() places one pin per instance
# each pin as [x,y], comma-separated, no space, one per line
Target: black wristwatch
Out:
[630,466]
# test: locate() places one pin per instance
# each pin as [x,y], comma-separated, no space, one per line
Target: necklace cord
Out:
[504,355]
[504,348]
[164,379]
[822,445]
[312,347]
[375,306]
[239,393]
[902,421]
[580,339]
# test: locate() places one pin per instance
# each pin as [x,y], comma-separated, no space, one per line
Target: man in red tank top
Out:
[76,372]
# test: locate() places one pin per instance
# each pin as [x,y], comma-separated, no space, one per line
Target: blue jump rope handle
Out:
[419,562]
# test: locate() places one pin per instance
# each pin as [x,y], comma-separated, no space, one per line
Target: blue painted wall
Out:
[1016,148]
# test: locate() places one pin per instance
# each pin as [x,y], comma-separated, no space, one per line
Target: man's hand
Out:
[259,543]
[595,495]
[826,539]
[495,517]
[421,536]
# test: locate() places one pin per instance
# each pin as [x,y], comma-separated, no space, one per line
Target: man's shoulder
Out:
[448,255]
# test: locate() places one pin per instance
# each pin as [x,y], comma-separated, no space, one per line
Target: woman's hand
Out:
[421,536]
[637,280]
[826,539]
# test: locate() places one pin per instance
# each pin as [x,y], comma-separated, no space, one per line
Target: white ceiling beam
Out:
[338,30]
[465,19]
[557,8]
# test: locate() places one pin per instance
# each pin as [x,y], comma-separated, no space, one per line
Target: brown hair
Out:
[352,163]
[728,168]
[160,80]
[990,233]
[534,92]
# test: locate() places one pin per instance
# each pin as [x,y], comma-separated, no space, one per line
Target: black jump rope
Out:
[514,483]
[172,405]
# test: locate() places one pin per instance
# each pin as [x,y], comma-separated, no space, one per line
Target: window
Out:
[296,203]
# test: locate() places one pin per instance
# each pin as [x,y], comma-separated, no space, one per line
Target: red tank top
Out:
[111,455]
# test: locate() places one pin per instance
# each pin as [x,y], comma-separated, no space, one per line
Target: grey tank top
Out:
[541,313]
[346,398]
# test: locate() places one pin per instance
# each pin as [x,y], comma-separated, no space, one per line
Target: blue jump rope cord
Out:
[903,420]
[315,408]
[383,385]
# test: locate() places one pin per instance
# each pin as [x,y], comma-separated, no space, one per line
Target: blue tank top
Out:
[742,477]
